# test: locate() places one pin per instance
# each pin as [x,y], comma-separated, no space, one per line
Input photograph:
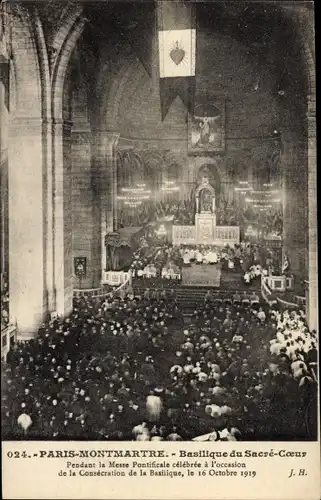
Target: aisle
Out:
[202,275]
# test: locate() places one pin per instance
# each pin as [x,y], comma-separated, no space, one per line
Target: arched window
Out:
[173,172]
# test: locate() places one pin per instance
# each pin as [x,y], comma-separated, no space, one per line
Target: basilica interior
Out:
[141,206]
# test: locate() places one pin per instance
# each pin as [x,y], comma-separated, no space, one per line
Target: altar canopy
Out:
[205,231]
[177,53]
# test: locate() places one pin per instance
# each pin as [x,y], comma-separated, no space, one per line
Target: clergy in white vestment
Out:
[140,429]
[211,257]
[24,421]
[261,315]
[154,406]
[275,348]
[230,264]
[192,254]
[199,257]
[247,278]
[186,258]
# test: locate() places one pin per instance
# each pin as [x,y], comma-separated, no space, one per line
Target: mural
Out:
[207,127]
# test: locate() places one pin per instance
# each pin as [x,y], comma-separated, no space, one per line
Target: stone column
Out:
[294,194]
[114,183]
[4,104]
[86,220]
[49,214]
[63,266]
[105,167]
[312,220]
[26,230]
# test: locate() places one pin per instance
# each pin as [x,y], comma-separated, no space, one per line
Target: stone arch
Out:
[68,34]
[110,109]
[26,64]
[174,171]
[130,168]
[43,65]
[153,170]
[131,70]
[69,15]
[61,64]
[47,156]
[207,188]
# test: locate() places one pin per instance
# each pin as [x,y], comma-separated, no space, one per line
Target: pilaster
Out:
[26,230]
[312,222]
[105,160]
[63,281]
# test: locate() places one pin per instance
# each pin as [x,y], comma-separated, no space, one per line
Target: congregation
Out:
[182,212]
[153,260]
[134,369]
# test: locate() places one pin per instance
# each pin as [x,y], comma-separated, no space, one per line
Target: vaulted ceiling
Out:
[266,28]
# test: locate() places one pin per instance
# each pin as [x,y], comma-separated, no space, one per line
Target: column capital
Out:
[24,125]
[18,119]
[62,127]
[61,121]
[110,137]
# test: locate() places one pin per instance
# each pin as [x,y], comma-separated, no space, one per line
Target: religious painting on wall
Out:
[206,128]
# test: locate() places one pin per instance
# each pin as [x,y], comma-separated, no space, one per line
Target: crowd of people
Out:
[4,301]
[165,260]
[267,222]
[135,369]
[157,261]
[181,212]
[253,273]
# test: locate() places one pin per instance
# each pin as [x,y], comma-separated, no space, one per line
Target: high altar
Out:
[205,231]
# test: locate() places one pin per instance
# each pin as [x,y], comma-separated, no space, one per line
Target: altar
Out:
[205,231]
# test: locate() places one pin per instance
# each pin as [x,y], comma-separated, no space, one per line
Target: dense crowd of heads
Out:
[228,213]
[153,259]
[135,368]
[181,212]
[266,221]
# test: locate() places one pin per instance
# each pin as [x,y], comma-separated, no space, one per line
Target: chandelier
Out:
[243,187]
[133,197]
[169,187]
[261,199]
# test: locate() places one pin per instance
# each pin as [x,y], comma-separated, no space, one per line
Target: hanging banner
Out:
[177,53]
[80,267]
